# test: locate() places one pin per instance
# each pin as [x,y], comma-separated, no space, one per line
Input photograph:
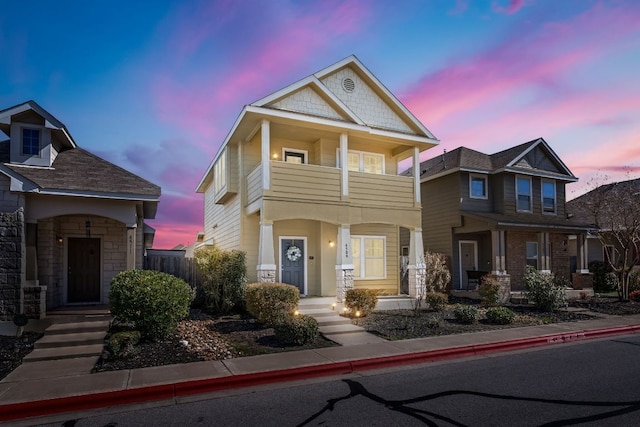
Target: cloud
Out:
[513,7]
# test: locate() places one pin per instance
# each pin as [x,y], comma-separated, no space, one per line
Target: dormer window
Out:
[30,142]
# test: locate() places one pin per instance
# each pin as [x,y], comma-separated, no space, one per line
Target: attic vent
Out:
[348,84]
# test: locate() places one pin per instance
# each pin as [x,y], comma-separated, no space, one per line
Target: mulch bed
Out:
[13,349]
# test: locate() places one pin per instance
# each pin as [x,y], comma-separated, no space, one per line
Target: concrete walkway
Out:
[54,387]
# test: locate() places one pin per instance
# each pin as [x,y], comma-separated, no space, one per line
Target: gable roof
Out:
[513,159]
[79,172]
[50,121]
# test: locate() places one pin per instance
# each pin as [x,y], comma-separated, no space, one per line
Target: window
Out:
[30,141]
[477,186]
[532,254]
[548,197]
[368,257]
[220,173]
[290,155]
[523,194]
[360,161]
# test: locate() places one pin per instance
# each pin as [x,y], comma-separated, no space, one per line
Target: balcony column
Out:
[417,267]
[344,263]
[499,266]
[344,164]
[266,258]
[543,243]
[416,175]
[266,154]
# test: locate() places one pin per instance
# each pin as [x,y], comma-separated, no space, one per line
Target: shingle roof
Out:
[79,170]
[557,223]
[593,206]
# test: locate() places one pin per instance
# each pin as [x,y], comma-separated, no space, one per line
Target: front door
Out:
[83,270]
[292,259]
[468,260]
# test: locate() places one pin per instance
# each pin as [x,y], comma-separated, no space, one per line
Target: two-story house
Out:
[498,213]
[306,183]
[69,220]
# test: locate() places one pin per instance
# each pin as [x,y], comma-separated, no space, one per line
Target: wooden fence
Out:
[175,264]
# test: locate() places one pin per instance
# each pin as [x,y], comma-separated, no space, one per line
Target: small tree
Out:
[223,278]
[436,279]
[615,210]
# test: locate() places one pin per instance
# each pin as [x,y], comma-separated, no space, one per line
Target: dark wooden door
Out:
[292,257]
[83,273]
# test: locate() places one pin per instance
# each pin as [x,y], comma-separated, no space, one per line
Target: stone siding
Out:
[11,262]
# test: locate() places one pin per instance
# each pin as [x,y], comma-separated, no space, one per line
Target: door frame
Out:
[475,261]
[306,257]
[65,270]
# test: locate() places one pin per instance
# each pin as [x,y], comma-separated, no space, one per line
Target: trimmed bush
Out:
[223,278]
[270,302]
[500,315]
[541,288]
[436,300]
[152,301]
[634,296]
[296,330]
[122,344]
[466,313]
[489,291]
[362,300]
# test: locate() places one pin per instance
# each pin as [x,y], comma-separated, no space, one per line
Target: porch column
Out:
[417,267]
[344,163]
[266,259]
[416,175]
[582,254]
[131,248]
[543,243]
[499,251]
[266,154]
[344,263]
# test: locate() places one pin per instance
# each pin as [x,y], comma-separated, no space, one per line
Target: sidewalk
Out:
[51,389]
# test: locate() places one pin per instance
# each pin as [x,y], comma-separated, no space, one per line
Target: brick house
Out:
[69,220]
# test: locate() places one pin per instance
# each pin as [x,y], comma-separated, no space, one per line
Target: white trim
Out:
[304,255]
[362,237]
[528,178]
[555,197]
[65,268]
[485,179]
[295,150]
[475,260]
[361,161]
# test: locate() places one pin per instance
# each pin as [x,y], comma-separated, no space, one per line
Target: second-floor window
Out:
[523,194]
[477,186]
[30,141]
[291,155]
[532,254]
[362,161]
[220,173]
[548,197]
[368,254]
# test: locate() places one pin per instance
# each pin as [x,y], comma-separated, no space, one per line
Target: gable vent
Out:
[348,84]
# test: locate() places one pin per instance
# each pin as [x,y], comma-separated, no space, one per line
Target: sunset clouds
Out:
[156,89]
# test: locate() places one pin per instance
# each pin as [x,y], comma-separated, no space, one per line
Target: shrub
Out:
[152,301]
[296,330]
[122,344]
[223,278]
[466,313]
[270,302]
[542,290]
[437,274]
[634,280]
[500,315]
[601,282]
[634,296]
[489,291]
[436,300]
[362,300]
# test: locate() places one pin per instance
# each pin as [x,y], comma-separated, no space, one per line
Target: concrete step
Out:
[317,312]
[314,306]
[56,353]
[396,303]
[340,329]
[68,340]
[78,327]
[336,320]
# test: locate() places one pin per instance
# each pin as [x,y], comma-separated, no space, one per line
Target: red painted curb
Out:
[15,411]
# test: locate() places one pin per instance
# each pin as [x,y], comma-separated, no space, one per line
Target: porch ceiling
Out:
[495,221]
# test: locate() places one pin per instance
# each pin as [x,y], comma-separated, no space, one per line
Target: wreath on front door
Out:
[294,253]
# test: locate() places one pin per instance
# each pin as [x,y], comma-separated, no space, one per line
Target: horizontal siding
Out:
[440,212]
[380,190]
[222,221]
[305,182]
[254,185]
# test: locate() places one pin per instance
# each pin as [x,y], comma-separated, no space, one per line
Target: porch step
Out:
[395,303]
[333,320]
[78,327]
[319,312]
[56,353]
[340,329]
[66,340]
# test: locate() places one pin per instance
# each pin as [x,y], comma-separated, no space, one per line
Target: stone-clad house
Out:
[497,213]
[69,220]
[307,184]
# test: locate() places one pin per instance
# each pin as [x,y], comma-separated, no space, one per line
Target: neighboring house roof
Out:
[514,159]
[585,208]
[79,172]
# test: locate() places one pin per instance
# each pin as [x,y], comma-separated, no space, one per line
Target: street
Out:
[587,383]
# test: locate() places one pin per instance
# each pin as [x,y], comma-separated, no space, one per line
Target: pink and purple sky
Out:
[154,86]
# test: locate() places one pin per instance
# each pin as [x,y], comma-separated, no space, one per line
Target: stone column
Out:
[344,263]
[417,266]
[266,258]
[12,263]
